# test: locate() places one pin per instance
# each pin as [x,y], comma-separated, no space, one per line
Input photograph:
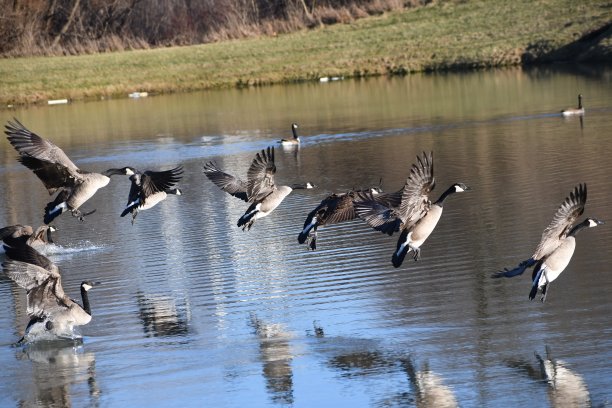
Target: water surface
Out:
[194,311]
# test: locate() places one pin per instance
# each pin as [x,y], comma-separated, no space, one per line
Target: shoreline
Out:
[444,37]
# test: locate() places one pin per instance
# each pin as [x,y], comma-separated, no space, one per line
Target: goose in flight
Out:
[557,244]
[259,190]
[336,208]
[150,188]
[57,172]
[415,217]
[52,313]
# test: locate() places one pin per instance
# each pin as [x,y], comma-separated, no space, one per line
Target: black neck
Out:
[295,135]
[49,238]
[579,102]
[113,172]
[445,194]
[85,298]
[578,227]
[298,186]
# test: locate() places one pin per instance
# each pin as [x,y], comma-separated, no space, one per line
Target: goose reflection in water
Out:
[276,355]
[429,388]
[57,367]
[565,387]
[160,315]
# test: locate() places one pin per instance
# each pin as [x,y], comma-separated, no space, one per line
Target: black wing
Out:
[226,182]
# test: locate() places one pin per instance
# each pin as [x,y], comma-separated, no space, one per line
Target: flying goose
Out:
[17,235]
[336,208]
[259,189]
[57,172]
[557,244]
[150,188]
[296,139]
[52,313]
[574,111]
[416,216]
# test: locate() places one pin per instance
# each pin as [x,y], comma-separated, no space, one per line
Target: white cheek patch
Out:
[87,287]
[458,189]
[592,223]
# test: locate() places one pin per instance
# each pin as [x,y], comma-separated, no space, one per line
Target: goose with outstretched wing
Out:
[416,216]
[260,188]
[150,188]
[57,172]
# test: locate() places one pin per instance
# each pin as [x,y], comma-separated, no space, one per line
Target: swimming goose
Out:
[259,189]
[150,188]
[52,313]
[296,138]
[57,172]
[574,111]
[336,208]
[557,244]
[416,216]
[17,235]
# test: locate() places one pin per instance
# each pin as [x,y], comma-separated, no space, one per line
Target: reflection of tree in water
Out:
[565,387]
[56,367]
[428,387]
[160,316]
[276,356]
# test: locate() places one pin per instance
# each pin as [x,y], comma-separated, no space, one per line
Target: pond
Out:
[193,311]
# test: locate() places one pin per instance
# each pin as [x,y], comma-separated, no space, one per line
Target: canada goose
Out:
[17,235]
[259,189]
[574,111]
[150,188]
[336,208]
[57,172]
[557,244]
[296,138]
[52,313]
[416,216]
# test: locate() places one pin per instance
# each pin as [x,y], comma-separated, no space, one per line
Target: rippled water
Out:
[193,311]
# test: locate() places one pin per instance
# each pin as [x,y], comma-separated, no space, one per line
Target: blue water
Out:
[193,311]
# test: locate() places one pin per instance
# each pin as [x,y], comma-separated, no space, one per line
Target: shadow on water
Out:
[57,367]
[276,355]
[161,316]
[565,388]
[355,358]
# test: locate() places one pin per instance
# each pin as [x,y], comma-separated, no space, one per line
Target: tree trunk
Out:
[68,22]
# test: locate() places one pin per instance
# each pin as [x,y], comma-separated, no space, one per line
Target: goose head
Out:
[593,222]
[87,285]
[460,187]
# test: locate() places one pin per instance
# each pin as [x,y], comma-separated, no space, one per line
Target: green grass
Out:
[446,35]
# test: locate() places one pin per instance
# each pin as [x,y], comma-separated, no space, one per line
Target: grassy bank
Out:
[440,36]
